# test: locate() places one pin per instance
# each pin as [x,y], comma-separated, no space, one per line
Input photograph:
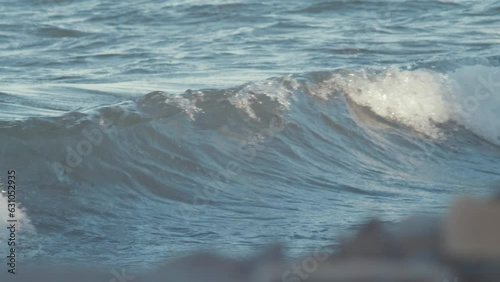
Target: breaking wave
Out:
[368,133]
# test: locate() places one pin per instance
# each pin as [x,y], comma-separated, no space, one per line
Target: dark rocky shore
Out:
[461,246]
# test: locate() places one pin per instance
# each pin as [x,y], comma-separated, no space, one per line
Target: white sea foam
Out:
[23,222]
[422,99]
[476,100]
[413,98]
[273,89]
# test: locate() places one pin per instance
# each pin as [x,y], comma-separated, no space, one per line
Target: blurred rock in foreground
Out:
[462,246]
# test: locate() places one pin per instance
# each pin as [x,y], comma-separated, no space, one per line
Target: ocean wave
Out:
[365,133]
[432,104]
[423,99]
